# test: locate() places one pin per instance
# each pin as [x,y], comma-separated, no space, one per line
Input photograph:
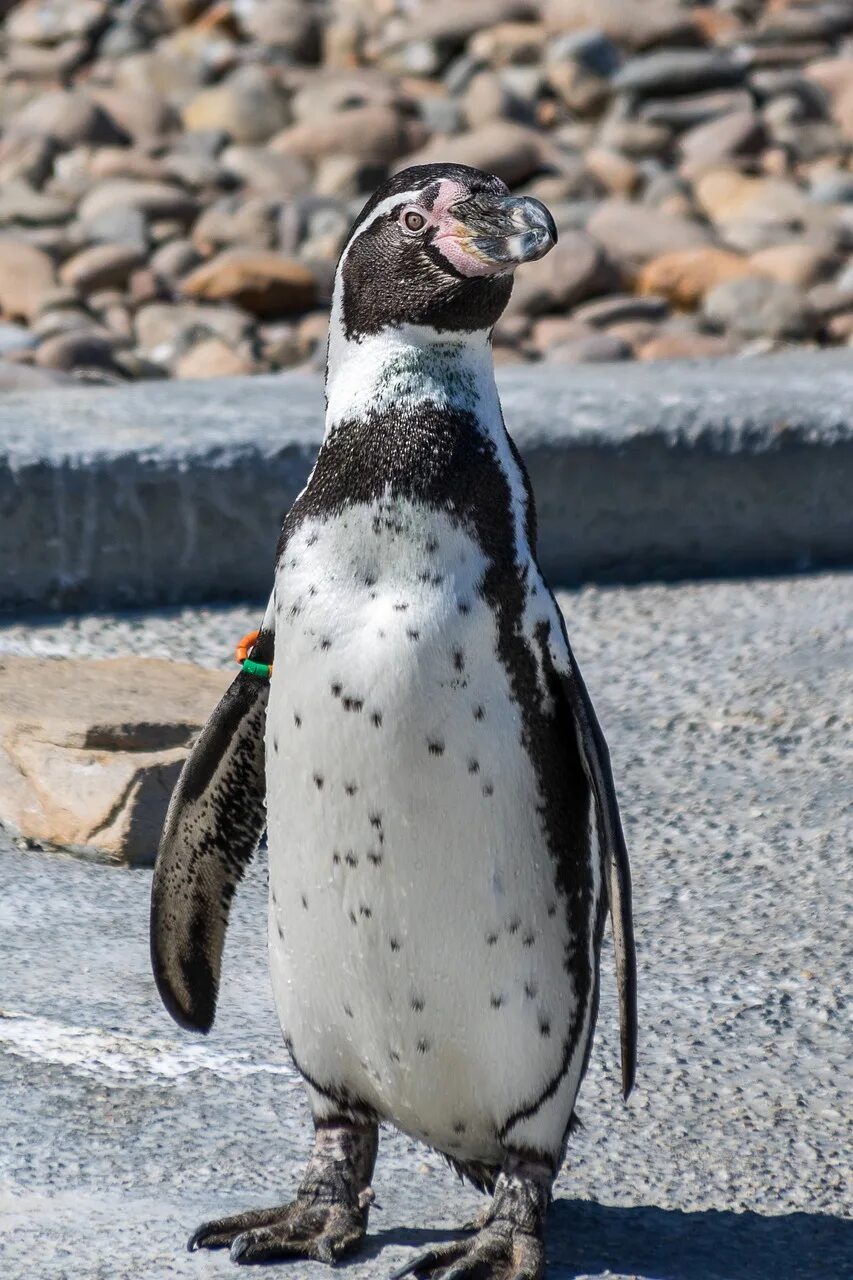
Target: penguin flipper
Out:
[214,824]
[597,760]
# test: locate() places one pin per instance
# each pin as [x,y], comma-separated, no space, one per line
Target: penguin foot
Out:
[508,1244]
[498,1252]
[328,1218]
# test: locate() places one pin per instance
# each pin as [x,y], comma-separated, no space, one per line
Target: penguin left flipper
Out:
[597,761]
[214,824]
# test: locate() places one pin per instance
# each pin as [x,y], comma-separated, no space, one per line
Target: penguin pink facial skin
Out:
[437,247]
[481,235]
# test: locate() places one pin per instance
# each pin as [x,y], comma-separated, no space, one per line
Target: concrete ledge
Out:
[168,492]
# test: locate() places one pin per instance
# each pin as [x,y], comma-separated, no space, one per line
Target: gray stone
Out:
[759,307]
[21,204]
[81,349]
[674,71]
[50,21]
[248,105]
[154,199]
[832,187]
[102,266]
[512,151]
[576,269]
[163,330]
[737,134]
[13,337]
[692,109]
[632,234]
[23,377]
[133,495]
[596,348]
[263,170]
[69,118]
[26,157]
[618,308]
[123,225]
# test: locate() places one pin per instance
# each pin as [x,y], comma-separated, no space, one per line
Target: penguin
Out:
[413,731]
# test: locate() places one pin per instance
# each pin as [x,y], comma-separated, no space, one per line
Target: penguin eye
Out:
[414,221]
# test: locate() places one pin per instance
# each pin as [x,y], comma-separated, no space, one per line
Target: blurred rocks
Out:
[186,170]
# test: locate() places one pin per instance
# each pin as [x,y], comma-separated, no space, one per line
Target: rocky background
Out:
[177,176]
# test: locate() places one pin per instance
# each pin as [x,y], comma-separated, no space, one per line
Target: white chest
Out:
[414,917]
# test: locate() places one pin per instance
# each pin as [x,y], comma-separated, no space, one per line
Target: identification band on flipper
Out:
[263,670]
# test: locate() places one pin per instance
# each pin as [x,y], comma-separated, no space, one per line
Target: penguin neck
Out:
[406,367]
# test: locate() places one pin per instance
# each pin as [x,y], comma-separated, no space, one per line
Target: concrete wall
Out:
[174,491]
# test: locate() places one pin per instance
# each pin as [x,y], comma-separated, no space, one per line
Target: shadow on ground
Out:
[586,1238]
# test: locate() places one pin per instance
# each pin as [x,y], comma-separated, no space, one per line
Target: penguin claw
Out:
[426,1263]
[490,1255]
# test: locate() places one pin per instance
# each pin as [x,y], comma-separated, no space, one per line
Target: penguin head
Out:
[436,247]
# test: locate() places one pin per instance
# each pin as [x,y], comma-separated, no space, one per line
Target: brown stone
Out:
[725,194]
[69,117]
[834,75]
[248,106]
[375,133]
[617,173]
[454,23]
[126,162]
[581,89]
[102,266]
[512,151]
[26,275]
[91,749]
[553,331]
[685,275]
[162,329]
[640,24]
[35,22]
[686,346]
[45,63]
[843,112]
[142,113]
[508,43]
[213,358]
[634,233]
[266,284]
[247,221]
[797,263]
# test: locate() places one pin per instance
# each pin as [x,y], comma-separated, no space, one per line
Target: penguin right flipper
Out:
[215,822]
[597,761]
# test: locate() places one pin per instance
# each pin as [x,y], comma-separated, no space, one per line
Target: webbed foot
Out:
[497,1252]
[328,1218]
[323,1233]
[508,1245]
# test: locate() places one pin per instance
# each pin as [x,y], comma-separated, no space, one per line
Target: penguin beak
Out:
[490,235]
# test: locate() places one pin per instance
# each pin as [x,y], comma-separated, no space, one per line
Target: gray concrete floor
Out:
[727,706]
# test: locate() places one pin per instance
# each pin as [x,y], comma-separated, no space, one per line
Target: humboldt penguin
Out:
[412,730]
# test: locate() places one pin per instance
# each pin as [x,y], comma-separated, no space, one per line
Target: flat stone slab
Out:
[91,749]
[725,706]
[171,492]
